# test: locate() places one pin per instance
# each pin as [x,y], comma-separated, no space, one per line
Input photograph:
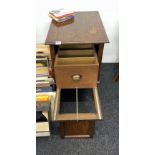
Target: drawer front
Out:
[76,72]
[76,76]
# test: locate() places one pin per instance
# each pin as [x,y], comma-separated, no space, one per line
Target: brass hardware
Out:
[76,77]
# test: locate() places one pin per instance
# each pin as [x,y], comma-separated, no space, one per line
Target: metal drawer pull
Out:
[76,77]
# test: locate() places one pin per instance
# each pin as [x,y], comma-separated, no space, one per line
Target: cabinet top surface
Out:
[86,27]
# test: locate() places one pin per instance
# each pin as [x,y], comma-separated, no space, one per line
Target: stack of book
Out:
[61,15]
[42,67]
[44,84]
[45,94]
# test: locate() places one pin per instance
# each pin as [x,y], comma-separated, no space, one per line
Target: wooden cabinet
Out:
[76,50]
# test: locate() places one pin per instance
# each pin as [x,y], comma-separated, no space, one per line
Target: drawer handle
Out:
[76,77]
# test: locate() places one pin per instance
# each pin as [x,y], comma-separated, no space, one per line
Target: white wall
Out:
[108,10]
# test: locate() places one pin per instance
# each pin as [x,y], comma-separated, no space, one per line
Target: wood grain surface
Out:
[87,27]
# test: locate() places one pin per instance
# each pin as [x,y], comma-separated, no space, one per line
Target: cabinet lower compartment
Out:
[77,129]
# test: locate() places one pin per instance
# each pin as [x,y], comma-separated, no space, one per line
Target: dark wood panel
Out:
[77,129]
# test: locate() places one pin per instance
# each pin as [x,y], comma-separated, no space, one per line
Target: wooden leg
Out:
[116,78]
[100,54]
[52,53]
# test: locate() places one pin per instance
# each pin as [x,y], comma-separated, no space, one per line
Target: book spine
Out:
[62,16]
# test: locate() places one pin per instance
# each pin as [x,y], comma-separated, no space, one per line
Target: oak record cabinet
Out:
[76,51]
[76,67]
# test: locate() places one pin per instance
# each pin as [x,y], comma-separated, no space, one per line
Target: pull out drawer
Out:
[76,53]
[76,72]
[78,115]
[85,50]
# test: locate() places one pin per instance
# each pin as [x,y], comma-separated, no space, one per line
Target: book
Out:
[61,19]
[43,78]
[42,126]
[42,71]
[60,13]
[42,129]
[42,98]
[42,85]
[42,134]
[42,82]
[43,50]
[41,61]
[44,90]
[45,106]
